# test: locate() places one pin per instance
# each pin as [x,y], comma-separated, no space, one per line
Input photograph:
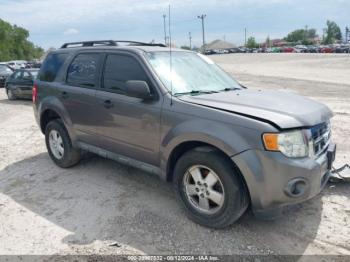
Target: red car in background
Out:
[288,50]
[327,49]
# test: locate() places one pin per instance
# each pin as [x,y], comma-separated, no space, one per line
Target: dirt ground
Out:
[47,210]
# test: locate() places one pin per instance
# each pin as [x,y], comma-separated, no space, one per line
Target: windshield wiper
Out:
[230,89]
[196,92]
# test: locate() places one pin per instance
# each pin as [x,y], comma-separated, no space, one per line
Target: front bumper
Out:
[271,177]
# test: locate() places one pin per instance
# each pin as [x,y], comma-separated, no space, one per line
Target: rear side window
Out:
[119,69]
[51,66]
[83,70]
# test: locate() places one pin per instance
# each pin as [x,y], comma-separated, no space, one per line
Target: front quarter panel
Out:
[232,134]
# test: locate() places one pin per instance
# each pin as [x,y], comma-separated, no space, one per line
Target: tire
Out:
[234,198]
[67,157]
[10,95]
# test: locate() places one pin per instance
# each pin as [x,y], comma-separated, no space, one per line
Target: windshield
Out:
[191,73]
[5,69]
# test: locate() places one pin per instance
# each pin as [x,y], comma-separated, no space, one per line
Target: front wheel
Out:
[210,188]
[10,94]
[59,145]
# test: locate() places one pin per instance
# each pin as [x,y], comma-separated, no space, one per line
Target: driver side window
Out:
[119,69]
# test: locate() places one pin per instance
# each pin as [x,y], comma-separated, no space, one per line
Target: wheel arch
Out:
[186,146]
[50,109]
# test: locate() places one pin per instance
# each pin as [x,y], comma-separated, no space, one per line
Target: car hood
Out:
[280,108]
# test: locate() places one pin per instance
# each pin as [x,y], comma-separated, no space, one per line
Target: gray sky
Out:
[53,22]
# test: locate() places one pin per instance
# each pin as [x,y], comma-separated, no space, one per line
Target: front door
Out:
[128,126]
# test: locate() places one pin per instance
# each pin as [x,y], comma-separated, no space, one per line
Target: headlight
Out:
[291,143]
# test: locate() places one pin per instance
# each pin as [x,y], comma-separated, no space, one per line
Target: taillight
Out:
[35,93]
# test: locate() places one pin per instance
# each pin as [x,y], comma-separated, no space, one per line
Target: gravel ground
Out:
[46,210]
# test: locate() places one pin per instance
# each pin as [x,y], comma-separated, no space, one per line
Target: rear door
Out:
[126,125]
[78,94]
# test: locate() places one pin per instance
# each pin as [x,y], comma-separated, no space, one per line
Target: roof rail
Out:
[108,43]
[90,43]
[135,43]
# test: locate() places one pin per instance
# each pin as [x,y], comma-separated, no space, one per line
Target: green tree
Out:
[185,47]
[333,33]
[14,44]
[268,42]
[304,36]
[251,43]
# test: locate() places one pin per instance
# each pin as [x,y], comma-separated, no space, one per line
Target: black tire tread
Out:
[71,155]
[229,175]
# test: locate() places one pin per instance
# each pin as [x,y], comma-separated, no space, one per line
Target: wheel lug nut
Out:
[197,189]
[207,193]
[202,195]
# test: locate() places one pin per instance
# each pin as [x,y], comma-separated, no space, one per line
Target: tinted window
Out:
[17,75]
[83,70]
[27,76]
[119,69]
[51,66]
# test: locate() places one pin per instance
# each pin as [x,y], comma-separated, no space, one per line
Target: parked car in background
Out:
[288,49]
[300,49]
[5,71]
[327,49]
[313,49]
[276,50]
[17,64]
[342,49]
[20,83]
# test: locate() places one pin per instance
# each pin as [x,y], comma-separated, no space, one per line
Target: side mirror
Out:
[139,89]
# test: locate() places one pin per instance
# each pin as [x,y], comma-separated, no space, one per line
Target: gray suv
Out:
[175,113]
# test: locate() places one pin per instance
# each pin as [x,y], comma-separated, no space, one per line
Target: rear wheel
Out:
[59,145]
[10,94]
[210,188]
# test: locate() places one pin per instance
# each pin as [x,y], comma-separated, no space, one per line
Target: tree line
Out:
[306,36]
[14,43]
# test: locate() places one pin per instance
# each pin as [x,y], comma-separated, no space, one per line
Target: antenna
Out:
[171,59]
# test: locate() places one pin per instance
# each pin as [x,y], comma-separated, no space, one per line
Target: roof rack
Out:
[108,43]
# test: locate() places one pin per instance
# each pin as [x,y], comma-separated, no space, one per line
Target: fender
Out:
[206,131]
[54,104]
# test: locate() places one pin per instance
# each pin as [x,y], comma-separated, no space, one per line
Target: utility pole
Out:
[190,37]
[202,17]
[347,35]
[165,38]
[245,37]
[306,33]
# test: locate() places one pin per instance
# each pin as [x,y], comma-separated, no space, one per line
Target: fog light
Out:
[296,187]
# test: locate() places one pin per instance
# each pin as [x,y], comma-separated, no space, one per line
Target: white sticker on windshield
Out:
[206,59]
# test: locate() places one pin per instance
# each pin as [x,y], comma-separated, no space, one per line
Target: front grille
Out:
[321,137]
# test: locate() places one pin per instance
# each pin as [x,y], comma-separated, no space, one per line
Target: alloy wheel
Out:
[56,144]
[204,189]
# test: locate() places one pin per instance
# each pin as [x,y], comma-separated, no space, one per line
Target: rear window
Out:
[51,67]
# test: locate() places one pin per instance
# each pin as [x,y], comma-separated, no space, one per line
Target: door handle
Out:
[64,95]
[108,104]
